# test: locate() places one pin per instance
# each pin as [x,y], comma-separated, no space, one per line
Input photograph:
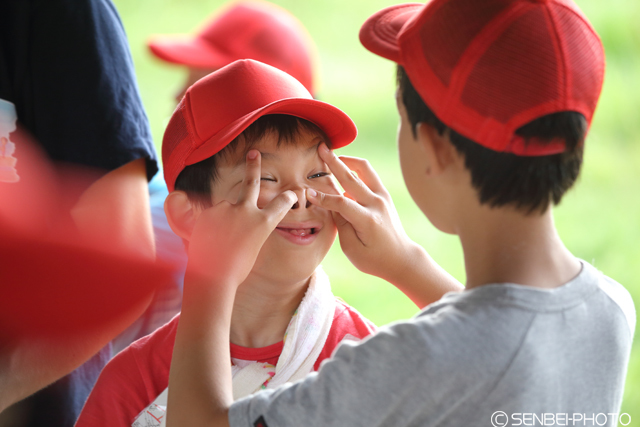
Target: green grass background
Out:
[599,220]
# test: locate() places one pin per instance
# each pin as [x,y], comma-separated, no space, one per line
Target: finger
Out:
[350,210]
[349,196]
[349,181]
[250,188]
[277,208]
[366,173]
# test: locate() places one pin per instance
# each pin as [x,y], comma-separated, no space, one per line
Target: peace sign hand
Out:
[227,237]
[372,236]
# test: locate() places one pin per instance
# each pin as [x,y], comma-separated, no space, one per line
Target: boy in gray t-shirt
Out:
[495,99]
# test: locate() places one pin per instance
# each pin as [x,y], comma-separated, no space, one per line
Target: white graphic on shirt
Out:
[153,415]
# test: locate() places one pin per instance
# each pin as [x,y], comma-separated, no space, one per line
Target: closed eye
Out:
[267,179]
[319,175]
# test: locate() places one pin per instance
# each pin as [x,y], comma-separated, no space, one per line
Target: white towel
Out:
[304,339]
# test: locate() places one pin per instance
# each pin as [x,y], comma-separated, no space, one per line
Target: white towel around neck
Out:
[304,339]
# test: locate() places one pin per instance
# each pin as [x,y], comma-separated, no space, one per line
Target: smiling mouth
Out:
[299,231]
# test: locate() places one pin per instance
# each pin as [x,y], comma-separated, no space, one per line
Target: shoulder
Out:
[131,380]
[619,296]
[161,338]
[348,325]
[347,320]
[494,323]
[152,356]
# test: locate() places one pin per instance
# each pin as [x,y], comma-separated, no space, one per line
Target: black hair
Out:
[529,183]
[197,180]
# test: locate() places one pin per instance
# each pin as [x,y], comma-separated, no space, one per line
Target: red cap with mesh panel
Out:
[486,68]
[245,30]
[217,108]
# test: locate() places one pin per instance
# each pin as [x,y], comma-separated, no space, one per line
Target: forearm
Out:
[200,389]
[115,210]
[420,278]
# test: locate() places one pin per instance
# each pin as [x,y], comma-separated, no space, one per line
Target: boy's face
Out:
[302,239]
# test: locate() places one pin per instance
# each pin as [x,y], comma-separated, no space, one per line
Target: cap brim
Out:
[334,122]
[189,51]
[379,33]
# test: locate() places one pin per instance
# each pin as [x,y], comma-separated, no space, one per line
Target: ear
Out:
[438,148]
[181,213]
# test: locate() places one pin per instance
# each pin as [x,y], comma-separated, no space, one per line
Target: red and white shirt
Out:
[139,373]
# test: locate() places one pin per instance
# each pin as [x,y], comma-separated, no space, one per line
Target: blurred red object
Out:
[63,288]
[52,280]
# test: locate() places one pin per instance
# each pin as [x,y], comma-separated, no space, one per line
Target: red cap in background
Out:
[486,68]
[245,30]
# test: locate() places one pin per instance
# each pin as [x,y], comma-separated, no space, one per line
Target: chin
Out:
[285,272]
[280,265]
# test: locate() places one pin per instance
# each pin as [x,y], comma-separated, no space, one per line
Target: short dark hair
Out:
[197,180]
[530,183]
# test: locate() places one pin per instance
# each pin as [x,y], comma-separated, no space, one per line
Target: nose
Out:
[302,199]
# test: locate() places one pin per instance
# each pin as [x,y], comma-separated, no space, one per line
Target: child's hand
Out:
[371,234]
[227,238]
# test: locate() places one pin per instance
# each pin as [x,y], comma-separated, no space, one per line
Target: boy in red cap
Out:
[245,109]
[495,99]
[241,30]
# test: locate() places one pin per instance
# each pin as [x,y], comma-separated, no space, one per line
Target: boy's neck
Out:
[502,245]
[262,310]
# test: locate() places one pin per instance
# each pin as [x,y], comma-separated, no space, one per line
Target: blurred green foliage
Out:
[599,220]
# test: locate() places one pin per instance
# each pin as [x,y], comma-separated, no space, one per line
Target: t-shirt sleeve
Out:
[131,380]
[118,396]
[348,325]
[80,97]
[368,384]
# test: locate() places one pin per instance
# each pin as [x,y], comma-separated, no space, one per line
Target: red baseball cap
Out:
[486,68]
[245,30]
[220,106]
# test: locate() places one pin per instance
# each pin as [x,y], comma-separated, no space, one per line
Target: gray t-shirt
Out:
[528,353]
